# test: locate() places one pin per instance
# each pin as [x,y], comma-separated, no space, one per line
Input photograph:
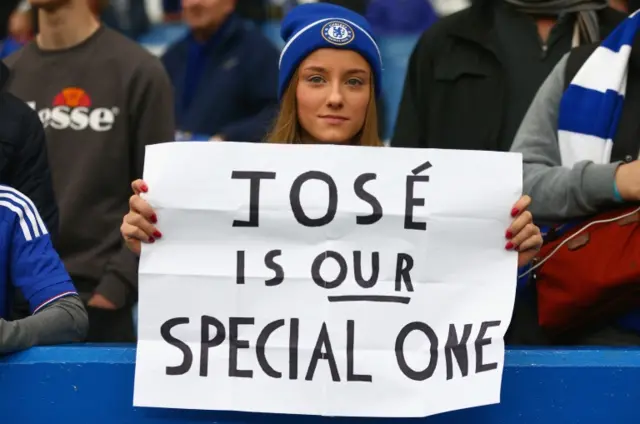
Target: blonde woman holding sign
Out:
[330,75]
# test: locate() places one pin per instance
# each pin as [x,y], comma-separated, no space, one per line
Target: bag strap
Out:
[577,58]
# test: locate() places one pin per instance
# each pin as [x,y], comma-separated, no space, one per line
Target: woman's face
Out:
[333,94]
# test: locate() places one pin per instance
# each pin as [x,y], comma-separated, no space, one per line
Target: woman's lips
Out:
[334,119]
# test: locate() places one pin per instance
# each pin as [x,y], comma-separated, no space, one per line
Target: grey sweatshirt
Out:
[64,321]
[101,103]
[558,193]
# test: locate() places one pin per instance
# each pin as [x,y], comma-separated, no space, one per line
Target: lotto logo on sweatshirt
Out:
[72,109]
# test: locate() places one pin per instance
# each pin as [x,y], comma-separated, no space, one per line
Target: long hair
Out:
[287,129]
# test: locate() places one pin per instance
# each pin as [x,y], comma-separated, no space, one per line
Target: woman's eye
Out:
[354,81]
[316,79]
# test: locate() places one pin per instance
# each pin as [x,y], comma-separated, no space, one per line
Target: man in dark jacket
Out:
[474,73]
[23,154]
[224,74]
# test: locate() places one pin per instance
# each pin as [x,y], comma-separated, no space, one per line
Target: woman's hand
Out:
[523,235]
[627,180]
[137,225]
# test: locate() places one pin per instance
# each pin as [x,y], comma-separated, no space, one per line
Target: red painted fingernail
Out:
[154,218]
[514,211]
[157,234]
[144,188]
[151,240]
[509,234]
[509,246]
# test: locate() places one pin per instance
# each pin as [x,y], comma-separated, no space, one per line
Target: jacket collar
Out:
[476,25]
[227,30]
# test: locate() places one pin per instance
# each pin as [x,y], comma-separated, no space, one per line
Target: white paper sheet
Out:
[461,275]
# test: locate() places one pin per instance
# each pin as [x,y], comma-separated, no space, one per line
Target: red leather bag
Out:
[590,273]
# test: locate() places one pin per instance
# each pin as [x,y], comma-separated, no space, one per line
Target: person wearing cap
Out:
[330,78]
[331,67]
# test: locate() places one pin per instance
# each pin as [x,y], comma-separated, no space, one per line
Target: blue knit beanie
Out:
[314,26]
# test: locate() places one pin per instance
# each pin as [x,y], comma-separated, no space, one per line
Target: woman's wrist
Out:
[616,193]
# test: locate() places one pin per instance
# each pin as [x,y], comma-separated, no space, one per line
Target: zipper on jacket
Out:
[545,48]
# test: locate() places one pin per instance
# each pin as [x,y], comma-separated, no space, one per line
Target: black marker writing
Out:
[296,205]
[411,201]
[254,194]
[358,188]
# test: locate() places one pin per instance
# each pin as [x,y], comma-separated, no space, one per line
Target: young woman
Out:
[330,75]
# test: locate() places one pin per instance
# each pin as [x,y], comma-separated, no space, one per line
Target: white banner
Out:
[326,280]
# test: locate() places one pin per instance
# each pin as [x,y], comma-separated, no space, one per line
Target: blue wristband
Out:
[616,194]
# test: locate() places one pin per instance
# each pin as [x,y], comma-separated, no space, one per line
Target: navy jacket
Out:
[135,22]
[226,86]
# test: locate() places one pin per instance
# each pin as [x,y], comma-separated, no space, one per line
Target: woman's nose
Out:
[335,99]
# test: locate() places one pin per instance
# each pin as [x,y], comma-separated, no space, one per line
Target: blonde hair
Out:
[287,129]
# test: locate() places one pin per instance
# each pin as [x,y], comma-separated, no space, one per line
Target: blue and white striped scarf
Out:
[591,106]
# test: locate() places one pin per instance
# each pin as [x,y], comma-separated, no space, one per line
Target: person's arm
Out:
[63,321]
[57,314]
[261,93]
[558,192]
[152,122]
[409,128]
[30,173]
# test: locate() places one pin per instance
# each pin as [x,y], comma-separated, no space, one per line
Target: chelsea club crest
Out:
[338,33]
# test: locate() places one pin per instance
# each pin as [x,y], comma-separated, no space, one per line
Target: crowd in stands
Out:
[82,97]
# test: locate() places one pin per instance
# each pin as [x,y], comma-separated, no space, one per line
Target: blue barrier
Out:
[88,384]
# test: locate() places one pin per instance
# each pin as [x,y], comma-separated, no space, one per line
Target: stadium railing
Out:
[87,384]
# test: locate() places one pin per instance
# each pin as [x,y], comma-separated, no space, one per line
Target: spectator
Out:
[30,264]
[473,74]
[102,98]
[580,147]
[224,74]
[328,95]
